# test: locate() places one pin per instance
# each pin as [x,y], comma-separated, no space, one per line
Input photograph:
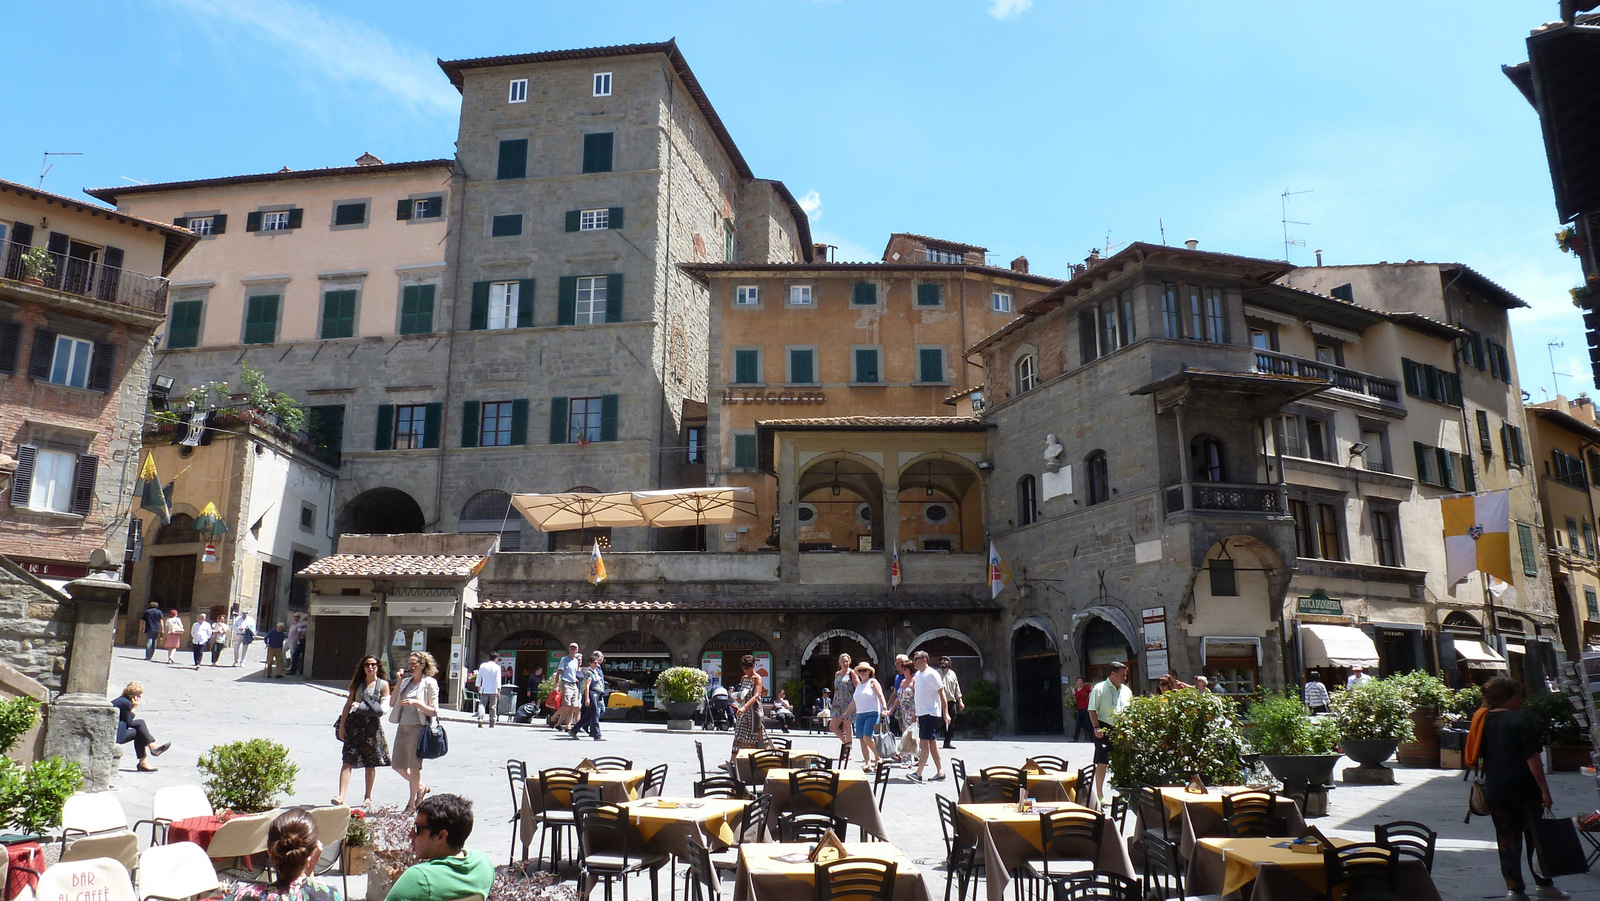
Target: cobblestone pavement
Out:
[196,710]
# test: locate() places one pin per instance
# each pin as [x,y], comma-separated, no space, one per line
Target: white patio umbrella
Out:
[696,506]
[573,510]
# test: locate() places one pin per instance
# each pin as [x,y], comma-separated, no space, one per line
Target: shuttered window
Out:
[930,365]
[746,366]
[184,328]
[261,319]
[54,481]
[416,309]
[10,346]
[597,152]
[930,295]
[866,366]
[513,161]
[1530,556]
[338,314]
[802,366]
[744,452]
[863,294]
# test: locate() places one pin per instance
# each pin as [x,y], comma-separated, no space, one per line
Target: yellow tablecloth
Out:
[1200,816]
[1008,838]
[715,818]
[1243,858]
[616,786]
[855,801]
[1176,797]
[741,761]
[1041,787]
[761,877]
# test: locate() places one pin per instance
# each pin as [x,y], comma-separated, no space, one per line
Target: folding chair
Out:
[175,872]
[173,803]
[123,847]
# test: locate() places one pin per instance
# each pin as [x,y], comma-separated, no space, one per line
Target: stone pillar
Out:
[81,725]
[788,510]
[890,528]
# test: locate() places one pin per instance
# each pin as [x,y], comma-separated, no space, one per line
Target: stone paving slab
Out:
[198,709]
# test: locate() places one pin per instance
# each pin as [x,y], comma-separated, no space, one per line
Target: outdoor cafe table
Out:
[1200,816]
[741,761]
[616,786]
[1041,786]
[763,876]
[714,822]
[1008,839]
[1259,870]
[854,802]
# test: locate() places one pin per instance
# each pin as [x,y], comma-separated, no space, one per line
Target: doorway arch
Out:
[1036,679]
[381,511]
[821,659]
[530,652]
[721,655]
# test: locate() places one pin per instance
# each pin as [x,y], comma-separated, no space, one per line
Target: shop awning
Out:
[1328,645]
[1478,655]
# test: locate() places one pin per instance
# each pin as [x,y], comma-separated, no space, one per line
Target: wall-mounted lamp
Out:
[44,221]
[836,486]
[1357,449]
[160,392]
[985,466]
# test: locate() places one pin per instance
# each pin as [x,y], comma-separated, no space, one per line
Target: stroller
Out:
[718,713]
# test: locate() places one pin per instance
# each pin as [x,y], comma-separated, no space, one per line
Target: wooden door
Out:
[172,581]
[341,642]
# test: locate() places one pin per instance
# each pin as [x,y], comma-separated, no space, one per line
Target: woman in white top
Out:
[418,701]
[869,704]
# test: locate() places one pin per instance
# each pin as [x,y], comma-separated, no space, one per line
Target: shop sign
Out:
[1318,603]
[784,398]
[340,608]
[1103,656]
[1155,642]
[399,638]
[711,662]
[442,610]
[455,659]
[66,571]
[419,640]
[764,668]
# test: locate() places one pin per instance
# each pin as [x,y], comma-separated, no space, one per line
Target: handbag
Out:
[433,743]
[1560,853]
[1477,804]
[883,741]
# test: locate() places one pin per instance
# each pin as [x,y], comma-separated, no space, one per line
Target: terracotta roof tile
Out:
[365,565]
[111,194]
[963,423]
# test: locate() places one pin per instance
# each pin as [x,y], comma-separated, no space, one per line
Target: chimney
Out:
[367,159]
[1094,257]
[819,253]
[1319,256]
[1020,264]
[1192,244]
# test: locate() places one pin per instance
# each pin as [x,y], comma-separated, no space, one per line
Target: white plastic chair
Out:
[175,872]
[107,879]
[123,847]
[242,837]
[332,824]
[93,814]
[173,803]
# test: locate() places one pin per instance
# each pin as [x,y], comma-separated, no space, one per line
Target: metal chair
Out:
[1153,818]
[1096,885]
[655,779]
[808,827]
[175,872]
[720,787]
[855,879]
[1119,811]
[761,761]
[780,744]
[608,846]
[517,775]
[604,764]
[960,849]
[1252,814]
[880,780]
[1083,792]
[1163,871]
[66,880]
[813,790]
[700,754]
[1050,763]
[753,828]
[1408,838]
[1367,870]
[701,881]
[173,803]
[989,791]
[1071,839]
[958,771]
[844,755]
[555,791]
[1004,778]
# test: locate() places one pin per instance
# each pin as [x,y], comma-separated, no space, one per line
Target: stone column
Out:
[81,725]
[788,510]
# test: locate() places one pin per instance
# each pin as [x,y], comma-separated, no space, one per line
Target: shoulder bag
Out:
[433,743]
[884,743]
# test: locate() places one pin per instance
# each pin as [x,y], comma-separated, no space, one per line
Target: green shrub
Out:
[1467,701]
[31,797]
[1552,711]
[1424,690]
[981,719]
[1377,708]
[247,776]
[1284,727]
[1165,739]
[17,716]
[982,693]
[682,683]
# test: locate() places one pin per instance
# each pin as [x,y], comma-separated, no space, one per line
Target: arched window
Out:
[1206,459]
[179,531]
[1027,500]
[1026,373]
[490,511]
[1098,481]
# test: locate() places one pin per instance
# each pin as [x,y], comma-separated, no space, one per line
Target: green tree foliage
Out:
[1165,739]
[247,776]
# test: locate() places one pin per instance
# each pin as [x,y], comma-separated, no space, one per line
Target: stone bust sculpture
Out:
[1052,453]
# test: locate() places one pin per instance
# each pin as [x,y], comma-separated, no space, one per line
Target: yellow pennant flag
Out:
[1477,535]
[597,566]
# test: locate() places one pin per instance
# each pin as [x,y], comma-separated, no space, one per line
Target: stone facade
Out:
[35,626]
[1564,440]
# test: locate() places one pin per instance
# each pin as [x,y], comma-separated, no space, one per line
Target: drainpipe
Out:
[459,200]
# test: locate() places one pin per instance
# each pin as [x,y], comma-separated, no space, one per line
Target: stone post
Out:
[81,725]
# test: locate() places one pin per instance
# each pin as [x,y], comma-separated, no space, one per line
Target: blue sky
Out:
[1035,127]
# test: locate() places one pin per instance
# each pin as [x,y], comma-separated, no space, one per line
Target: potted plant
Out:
[1566,744]
[357,848]
[981,716]
[31,797]
[247,776]
[1374,717]
[683,690]
[37,265]
[1430,697]
[1299,750]
[1169,738]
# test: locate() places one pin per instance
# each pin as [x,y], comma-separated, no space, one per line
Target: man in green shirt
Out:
[1106,701]
[446,871]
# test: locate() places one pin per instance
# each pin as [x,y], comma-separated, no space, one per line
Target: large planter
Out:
[680,715]
[1301,773]
[1370,753]
[1569,759]
[1424,750]
[357,860]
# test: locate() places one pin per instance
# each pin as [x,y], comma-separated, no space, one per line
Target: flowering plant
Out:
[1375,709]
[682,683]
[357,834]
[1165,739]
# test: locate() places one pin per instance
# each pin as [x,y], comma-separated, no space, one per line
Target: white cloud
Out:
[339,50]
[1008,9]
[812,204]
[846,249]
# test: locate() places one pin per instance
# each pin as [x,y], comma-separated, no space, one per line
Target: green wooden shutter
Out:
[513,159]
[480,306]
[11,345]
[1447,472]
[931,365]
[83,479]
[614,217]
[614,297]
[525,303]
[558,420]
[432,415]
[1469,472]
[185,328]
[469,423]
[219,223]
[384,439]
[928,296]
[1421,450]
[567,300]
[402,210]
[597,152]
[519,421]
[297,218]
[867,365]
[745,454]
[608,417]
[746,367]
[338,314]
[801,370]
[864,294]
[252,221]
[261,320]
[1530,558]
[181,222]
[573,217]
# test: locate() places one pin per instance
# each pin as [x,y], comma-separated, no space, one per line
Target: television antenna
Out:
[1555,377]
[46,166]
[1283,208]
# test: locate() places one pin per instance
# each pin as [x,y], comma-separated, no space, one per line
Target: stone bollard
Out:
[81,725]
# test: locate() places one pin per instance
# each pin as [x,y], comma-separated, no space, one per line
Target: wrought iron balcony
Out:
[92,278]
[1227,497]
[1346,379]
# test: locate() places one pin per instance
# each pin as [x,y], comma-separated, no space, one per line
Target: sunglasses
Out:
[418,829]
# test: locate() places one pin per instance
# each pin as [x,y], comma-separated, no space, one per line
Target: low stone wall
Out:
[35,626]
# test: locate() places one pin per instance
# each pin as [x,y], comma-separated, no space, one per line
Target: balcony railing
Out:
[1346,379]
[1227,497]
[91,278]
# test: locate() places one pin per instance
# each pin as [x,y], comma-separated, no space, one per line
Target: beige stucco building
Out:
[1564,438]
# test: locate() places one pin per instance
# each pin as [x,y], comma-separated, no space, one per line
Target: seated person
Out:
[293,849]
[782,711]
[135,730]
[447,870]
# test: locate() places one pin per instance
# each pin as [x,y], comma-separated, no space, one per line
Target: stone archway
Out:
[951,635]
[1036,677]
[381,511]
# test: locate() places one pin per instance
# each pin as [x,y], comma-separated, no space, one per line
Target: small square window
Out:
[350,214]
[594,220]
[747,296]
[275,221]
[427,208]
[519,91]
[602,84]
[506,226]
[1000,302]
[800,295]
[202,225]
[308,518]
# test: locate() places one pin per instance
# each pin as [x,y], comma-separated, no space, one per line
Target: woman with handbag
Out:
[869,704]
[418,704]
[172,633]
[1514,786]
[904,710]
[747,729]
[360,726]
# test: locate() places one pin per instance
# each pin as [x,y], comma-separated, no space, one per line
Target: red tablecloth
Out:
[200,830]
[23,854]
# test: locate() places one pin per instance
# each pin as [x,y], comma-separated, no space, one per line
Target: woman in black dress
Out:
[747,729]
[361,726]
[1514,784]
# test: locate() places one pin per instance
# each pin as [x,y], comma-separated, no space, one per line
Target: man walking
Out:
[1106,702]
[447,870]
[1316,694]
[1357,676]
[275,651]
[151,624]
[244,632]
[952,695]
[489,688]
[199,637]
[567,676]
[592,689]
[933,713]
[296,645]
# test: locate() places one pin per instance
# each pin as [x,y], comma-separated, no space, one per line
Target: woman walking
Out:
[293,850]
[219,639]
[173,633]
[361,727]
[1514,785]
[904,708]
[869,703]
[844,688]
[418,695]
[747,729]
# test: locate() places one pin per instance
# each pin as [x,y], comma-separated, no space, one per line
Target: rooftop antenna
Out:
[1283,207]
[1550,348]
[46,166]
[1163,227]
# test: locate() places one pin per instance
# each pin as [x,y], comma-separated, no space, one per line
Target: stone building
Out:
[1564,439]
